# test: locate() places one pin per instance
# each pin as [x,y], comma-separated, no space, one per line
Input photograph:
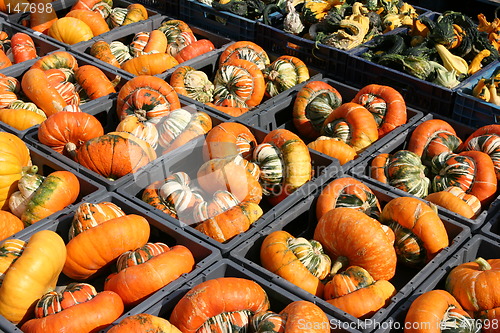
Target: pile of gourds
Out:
[101,236]
[344,130]
[153,52]
[26,196]
[444,51]
[244,78]
[356,246]
[469,302]
[54,83]
[486,89]
[460,176]
[85,20]
[222,199]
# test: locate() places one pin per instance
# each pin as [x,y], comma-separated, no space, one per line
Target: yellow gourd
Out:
[451,61]
[475,64]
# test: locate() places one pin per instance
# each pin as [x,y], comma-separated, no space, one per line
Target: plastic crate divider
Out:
[204,254]
[191,159]
[492,226]
[362,171]
[473,111]
[300,221]
[477,246]
[163,304]
[126,35]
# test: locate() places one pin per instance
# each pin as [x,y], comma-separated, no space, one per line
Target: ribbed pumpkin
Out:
[348,233]
[313,104]
[386,105]
[149,64]
[420,233]
[433,137]
[473,284]
[14,155]
[76,308]
[9,88]
[347,192]
[156,261]
[214,297]
[147,97]
[9,224]
[403,170]
[353,124]
[70,30]
[20,119]
[438,309]
[66,131]
[284,73]
[285,164]
[333,147]
[115,154]
[297,260]
[346,289]
[472,171]
[228,139]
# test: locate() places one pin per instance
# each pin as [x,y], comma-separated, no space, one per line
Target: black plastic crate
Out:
[223,23]
[492,227]
[163,304]
[22,19]
[48,164]
[191,159]
[362,171]
[478,246]
[105,112]
[168,7]
[126,36]
[300,221]
[474,111]
[204,254]
[209,64]
[18,72]
[42,45]
[278,113]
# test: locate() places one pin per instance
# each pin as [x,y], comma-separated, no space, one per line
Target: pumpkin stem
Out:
[141,115]
[70,148]
[31,169]
[483,264]
[339,264]
[273,75]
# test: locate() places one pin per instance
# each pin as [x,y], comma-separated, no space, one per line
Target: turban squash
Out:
[228,139]
[487,140]
[77,308]
[193,83]
[313,104]
[34,272]
[284,73]
[88,215]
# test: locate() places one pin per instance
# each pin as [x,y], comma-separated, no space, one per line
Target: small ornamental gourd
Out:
[420,233]
[347,192]
[433,137]
[436,309]
[473,171]
[403,170]
[353,124]
[386,105]
[76,308]
[217,297]
[158,262]
[355,239]
[285,164]
[144,322]
[473,284]
[27,186]
[313,104]
[32,274]
[348,287]
[297,260]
